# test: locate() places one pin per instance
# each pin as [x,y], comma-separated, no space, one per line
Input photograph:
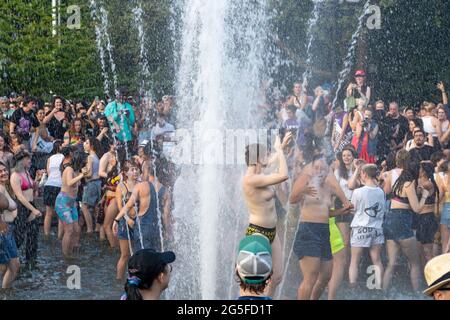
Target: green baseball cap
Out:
[254,261]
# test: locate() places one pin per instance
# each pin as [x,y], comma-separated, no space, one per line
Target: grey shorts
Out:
[362,237]
[92,193]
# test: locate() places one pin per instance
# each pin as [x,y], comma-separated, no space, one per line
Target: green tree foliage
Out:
[32,60]
[404,59]
[26,46]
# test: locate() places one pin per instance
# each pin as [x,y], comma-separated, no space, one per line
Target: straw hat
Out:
[437,273]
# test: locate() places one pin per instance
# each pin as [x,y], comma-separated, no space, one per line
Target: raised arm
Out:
[261,180]
[71,180]
[441,87]
[91,108]
[350,90]
[49,117]
[353,182]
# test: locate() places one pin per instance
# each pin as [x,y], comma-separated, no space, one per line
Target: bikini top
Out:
[25,182]
[401,199]
[429,200]
[127,196]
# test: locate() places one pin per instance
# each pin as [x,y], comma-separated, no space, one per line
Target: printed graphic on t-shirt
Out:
[373,210]
[24,126]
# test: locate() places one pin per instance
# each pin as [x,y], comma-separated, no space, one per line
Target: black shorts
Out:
[426,226]
[50,194]
[313,240]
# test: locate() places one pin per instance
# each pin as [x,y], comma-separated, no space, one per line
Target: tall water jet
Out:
[220,69]
[348,61]
[145,86]
[315,14]
[109,48]
[100,48]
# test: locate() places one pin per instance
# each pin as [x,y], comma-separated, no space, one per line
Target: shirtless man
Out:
[146,224]
[260,199]
[312,243]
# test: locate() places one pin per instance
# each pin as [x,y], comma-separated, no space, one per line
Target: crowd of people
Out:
[99,167]
[362,174]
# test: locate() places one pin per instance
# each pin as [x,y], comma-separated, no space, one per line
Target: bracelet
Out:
[116,220]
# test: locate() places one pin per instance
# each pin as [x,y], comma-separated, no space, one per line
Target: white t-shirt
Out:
[344,183]
[370,207]
[157,130]
[54,174]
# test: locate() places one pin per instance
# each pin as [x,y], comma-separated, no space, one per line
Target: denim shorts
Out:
[445,216]
[8,247]
[92,193]
[398,224]
[313,240]
[123,233]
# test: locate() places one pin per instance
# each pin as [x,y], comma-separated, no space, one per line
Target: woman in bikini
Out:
[130,174]
[259,197]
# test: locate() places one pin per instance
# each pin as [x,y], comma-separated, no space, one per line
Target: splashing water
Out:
[109,48]
[315,14]
[145,86]
[101,50]
[348,61]
[221,62]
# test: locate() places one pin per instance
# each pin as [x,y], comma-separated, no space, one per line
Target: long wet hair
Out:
[342,170]
[8,183]
[78,161]
[428,169]
[17,161]
[95,146]
[409,174]
[57,145]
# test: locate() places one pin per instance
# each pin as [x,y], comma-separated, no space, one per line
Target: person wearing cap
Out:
[149,274]
[437,275]
[254,267]
[359,89]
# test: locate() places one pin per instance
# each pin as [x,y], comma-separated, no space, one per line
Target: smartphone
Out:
[282,133]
